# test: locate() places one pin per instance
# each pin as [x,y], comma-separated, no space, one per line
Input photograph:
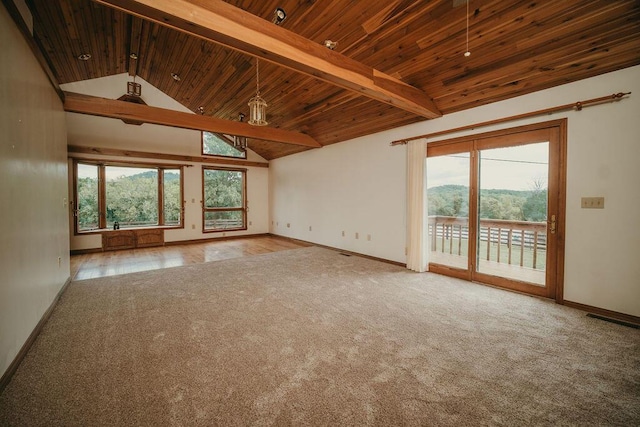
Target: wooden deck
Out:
[515,272]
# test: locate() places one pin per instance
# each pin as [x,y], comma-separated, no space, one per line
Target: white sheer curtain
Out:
[417,245]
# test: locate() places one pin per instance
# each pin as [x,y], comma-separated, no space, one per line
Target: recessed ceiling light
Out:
[330,45]
[175,77]
[84,56]
[279,15]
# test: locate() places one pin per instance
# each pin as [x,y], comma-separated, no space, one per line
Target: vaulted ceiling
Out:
[516,47]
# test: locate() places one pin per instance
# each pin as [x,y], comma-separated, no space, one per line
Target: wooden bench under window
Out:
[130,239]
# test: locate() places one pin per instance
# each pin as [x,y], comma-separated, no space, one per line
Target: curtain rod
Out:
[577,106]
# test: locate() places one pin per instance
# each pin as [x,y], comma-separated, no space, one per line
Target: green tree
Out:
[214,145]
[172,202]
[501,204]
[133,200]
[451,200]
[223,189]
[87,203]
[535,207]
[448,200]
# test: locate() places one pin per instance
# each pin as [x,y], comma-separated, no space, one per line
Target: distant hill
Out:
[463,189]
[168,176]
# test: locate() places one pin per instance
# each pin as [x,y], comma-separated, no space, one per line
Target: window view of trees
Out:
[511,182]
[132,197]
[215,145]
[172,197]
[87,198]
[452,200]
[132,200]
[224,199]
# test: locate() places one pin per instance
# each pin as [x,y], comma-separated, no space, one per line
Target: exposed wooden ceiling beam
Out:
[225,24]
[84,104]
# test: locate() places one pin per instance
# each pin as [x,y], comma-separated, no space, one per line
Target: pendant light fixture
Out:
[257,105]
[133,88]
[467,53]
[240,142]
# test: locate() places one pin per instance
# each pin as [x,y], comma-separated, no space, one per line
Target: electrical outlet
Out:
[592,203]
[193,226]
[343,234]
[250,222]
[357,235]
[288,225]
[309,228]
[368,237]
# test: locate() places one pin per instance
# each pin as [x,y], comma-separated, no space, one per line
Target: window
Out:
[172,198]
[87,212]
[224,195]
[132,196]
[129,194]
[215,144]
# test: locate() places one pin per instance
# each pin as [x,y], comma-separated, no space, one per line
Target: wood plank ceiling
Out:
[517,47]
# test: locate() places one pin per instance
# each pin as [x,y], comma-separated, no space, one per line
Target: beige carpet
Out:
[312,337]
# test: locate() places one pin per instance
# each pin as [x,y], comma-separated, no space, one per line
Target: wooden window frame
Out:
[219,155]
[243,208]
[102,193]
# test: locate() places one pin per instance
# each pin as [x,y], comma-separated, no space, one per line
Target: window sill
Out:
[224,230]
[105,230]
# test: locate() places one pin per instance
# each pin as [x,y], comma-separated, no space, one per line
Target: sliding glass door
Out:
[495,202]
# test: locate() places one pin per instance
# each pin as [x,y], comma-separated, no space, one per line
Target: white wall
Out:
[91,131]
[355,187]
[359,186]
[34,244]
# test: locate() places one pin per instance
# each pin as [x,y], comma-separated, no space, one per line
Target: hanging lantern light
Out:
[240,142]
[257,105]
[133,88]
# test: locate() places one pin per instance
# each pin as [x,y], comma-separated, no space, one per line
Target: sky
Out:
[112,172]
[511,168]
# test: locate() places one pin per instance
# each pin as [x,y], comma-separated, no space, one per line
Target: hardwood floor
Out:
[101,264]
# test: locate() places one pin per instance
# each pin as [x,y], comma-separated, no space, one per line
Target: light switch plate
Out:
[592,203]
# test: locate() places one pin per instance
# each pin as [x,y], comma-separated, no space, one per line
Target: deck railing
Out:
[514,242]
[223,224]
